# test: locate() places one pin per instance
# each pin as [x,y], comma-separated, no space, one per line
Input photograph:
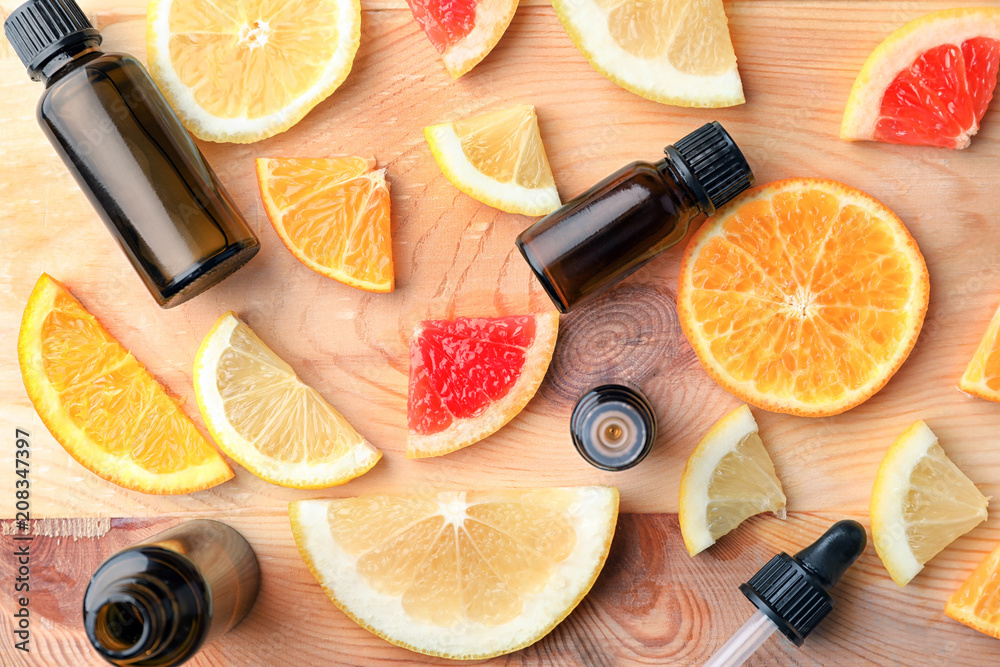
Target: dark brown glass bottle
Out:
[613,427]
[128,151]
[615,227]
[156,603]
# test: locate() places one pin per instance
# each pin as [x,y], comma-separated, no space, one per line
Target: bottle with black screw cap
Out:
[792,593]
[615,227]
[129,153]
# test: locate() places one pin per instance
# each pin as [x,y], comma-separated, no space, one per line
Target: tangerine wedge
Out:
[333,215]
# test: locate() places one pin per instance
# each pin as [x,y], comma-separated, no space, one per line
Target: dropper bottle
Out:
[792,594]
[615,227]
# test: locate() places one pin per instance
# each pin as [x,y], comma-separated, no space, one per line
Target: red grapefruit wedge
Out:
[463,31]
[929,83]
[470,376]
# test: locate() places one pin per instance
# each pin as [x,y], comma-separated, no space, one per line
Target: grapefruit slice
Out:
[470,376]
[670,51]
[244,70]
[929,83]
[463,31]
[458,574]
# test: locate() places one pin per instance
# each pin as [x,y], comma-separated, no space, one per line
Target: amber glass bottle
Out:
[613,427]
[156,603]
[128,151]
[612,229]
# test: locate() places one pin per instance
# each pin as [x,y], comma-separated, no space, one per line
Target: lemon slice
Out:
[245,70]
[497,158]
[921,502]
[671,51]
[460,574]
[268,420]
[727,479]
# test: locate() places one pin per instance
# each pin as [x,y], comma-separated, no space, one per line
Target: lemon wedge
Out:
[671,51]
[458,574]
[921,502]
[497,158]
[727,479]
[269,421]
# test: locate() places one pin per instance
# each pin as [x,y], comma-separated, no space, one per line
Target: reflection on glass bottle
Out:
[156,603]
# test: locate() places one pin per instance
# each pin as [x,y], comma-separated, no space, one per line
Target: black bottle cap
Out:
[613,427]
[39,29]
[794,592]
[712,165]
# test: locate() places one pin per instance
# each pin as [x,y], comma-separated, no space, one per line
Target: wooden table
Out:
[652,604]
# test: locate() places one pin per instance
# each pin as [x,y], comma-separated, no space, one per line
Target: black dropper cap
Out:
[712,165]
[39,29]
[794,592]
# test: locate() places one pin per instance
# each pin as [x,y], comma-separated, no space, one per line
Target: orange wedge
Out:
[333,215]
[977,602]
[803,296]
[982,375]
[102,406]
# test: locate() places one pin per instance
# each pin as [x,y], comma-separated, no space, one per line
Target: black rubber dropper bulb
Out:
[792,593]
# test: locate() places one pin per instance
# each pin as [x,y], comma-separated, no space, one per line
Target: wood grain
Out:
[456,257]
[652,604]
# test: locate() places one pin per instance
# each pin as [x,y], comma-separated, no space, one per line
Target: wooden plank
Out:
[652,604]
[455,256]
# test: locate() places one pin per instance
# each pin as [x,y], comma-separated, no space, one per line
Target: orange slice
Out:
[470,376]
[803,296]
[929,83]
[103,406]
[463,31]
[977,602]
[333,215]
[982,375]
